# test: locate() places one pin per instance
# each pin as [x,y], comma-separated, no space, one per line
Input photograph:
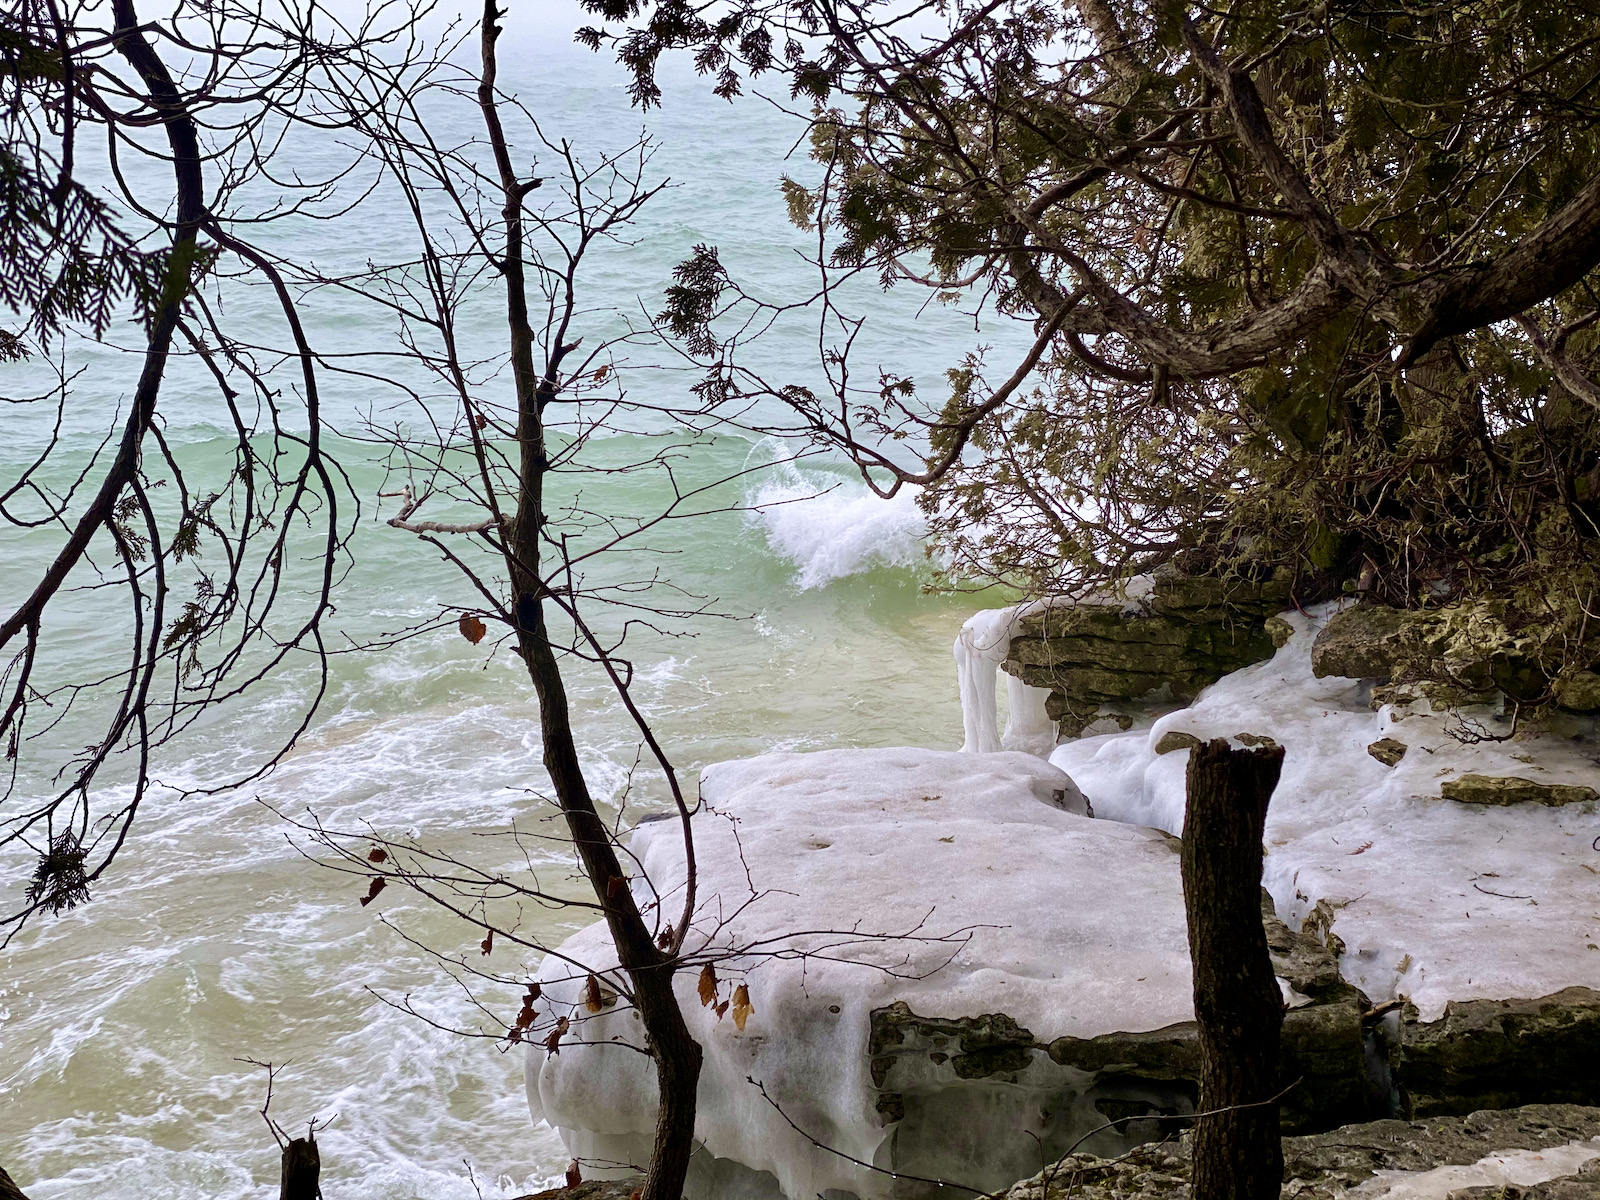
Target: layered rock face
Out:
[1448,866]
[991,975]
[1166,642]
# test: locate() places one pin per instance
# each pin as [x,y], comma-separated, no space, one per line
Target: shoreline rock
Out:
[1162,645]
[1329,1166]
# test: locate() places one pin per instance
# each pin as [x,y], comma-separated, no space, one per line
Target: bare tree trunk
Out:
[650,968]
[1237,1152]
[302,1170]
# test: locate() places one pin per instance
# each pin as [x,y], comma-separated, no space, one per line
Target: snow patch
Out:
[1433,900]
[1516,1168]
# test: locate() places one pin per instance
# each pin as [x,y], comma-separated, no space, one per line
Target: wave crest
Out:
[830,527]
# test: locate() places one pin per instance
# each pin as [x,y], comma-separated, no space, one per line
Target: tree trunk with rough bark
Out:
[1237,1152]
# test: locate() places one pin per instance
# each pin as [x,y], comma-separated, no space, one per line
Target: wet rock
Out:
[1325,1166]
[1514,789]
[1186,633]
[1500,1053]
[1388,751]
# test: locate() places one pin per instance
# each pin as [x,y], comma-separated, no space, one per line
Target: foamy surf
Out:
[830,527]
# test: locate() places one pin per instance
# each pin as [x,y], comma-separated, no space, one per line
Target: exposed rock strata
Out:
[1104,657]
[1498,1053]
[1514,789]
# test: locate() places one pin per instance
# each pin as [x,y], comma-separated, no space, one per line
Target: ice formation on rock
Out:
[1067,925]
[1431,899]
[1508,1170]
[980,648]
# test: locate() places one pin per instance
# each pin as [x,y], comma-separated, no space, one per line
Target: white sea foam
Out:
[830,527]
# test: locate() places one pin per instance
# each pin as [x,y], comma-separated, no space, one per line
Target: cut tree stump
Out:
[302,1170]
[1237,1004]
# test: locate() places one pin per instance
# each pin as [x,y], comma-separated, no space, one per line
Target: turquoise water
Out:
[217,939]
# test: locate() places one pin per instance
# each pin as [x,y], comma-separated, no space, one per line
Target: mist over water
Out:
[215,938]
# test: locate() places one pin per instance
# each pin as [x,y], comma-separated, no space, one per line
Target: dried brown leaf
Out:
[377,854]
[552,1041]
[741,1006]
[708,985]
[472,628]
[591,995]
[487,945]
[377,885]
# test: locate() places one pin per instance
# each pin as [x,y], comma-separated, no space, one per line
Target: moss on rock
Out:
[1500,1053]
[1514,789]
[1475,648]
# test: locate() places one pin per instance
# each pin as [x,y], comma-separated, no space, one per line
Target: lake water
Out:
[216,939]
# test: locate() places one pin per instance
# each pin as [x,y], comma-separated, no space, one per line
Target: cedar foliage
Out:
[1315,285]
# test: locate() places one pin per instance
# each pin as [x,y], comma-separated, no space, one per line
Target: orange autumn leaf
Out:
[741,1006]
[708,985]
[472,628]
[591,995]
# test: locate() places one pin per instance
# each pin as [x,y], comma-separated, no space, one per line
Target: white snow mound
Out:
[1022,905]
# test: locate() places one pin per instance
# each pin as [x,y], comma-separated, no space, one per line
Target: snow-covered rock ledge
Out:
[1470,928]
[1045,989]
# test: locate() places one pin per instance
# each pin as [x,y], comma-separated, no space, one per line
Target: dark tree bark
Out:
[1237,1152]
[8,1189]
[302,1170]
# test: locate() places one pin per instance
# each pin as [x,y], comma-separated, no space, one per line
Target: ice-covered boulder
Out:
[1430,903]
[1031,981]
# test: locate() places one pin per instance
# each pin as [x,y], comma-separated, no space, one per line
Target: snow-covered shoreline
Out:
[1070,928]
